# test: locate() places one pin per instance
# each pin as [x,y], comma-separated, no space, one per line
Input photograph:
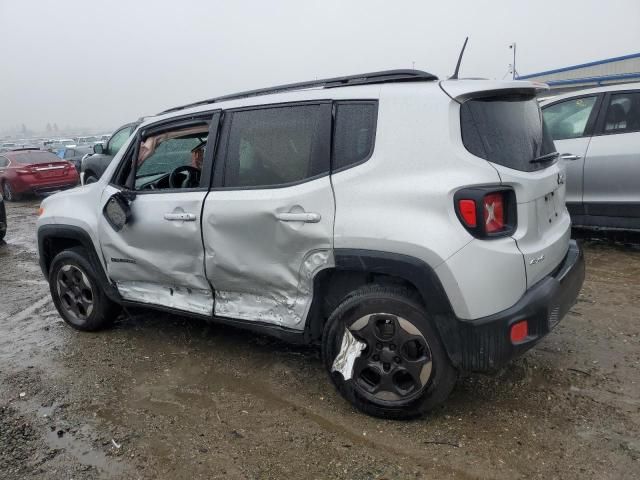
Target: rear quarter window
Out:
[354,133]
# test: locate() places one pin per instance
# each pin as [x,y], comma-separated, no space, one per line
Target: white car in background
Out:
[597,133]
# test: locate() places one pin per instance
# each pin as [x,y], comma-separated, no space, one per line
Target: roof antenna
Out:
[455,73]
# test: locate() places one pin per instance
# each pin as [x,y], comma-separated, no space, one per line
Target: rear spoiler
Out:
[463,90]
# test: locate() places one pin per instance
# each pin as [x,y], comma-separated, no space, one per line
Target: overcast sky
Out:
[103,63]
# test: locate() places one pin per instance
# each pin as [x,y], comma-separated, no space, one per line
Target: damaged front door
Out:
[268,221]
[157,257]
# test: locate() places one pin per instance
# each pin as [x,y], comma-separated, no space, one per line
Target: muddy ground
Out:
[160,396]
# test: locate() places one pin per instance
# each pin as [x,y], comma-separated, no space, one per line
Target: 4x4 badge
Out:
[536,260]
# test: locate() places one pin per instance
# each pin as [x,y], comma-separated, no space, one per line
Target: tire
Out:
[3,220]
[7,192]
[77,294]
[403,353]
[90,178]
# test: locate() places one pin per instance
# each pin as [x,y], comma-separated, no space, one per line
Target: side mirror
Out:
[98,148]
[117,211]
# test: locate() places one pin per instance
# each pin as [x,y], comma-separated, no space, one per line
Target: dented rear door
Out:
[268,222]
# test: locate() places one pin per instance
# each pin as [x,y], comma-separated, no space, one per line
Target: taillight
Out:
[493,207]
[467,210]
[487,212]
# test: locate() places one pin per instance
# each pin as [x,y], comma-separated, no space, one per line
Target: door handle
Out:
[570,156]
[180,217]
[299,217]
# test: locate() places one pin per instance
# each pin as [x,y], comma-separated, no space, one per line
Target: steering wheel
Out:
[191,177]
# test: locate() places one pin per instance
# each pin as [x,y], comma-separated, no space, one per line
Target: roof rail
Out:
[384,76]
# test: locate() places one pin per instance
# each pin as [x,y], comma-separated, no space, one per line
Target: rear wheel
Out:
[402,370]
[7,192]
[76,292]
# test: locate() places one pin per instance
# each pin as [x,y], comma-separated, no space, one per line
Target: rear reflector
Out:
[519,331]
[468,212]
[493,206]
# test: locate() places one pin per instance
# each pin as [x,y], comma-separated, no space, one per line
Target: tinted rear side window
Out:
[36,157]
[354,133]
[273,146]
[508,131]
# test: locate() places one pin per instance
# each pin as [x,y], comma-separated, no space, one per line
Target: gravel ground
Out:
[161,396]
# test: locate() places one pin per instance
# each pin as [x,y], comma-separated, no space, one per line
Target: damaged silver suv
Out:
[414,228]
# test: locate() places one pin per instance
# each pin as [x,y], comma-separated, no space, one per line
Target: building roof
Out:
[581,65]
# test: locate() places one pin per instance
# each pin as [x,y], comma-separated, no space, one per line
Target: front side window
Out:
[272,146]
[69,152]
[171,159]
[3,162]
[623,113]
[354,133]
[118,140]
[569,119]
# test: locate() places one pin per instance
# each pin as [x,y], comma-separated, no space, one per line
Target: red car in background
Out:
[34,171]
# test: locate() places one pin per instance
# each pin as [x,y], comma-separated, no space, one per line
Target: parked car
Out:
[94,166]
[414,228]
[74,154]
[3,219]
[597,132]
[90,140]
[34,171]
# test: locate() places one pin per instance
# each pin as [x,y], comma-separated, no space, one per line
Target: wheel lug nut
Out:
[397,359]
[386,366]
[376,357]
[392,347]
[379,346]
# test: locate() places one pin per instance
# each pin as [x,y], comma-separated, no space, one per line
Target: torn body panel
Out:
[262,263]
[178,298]
[285,308]
[350,350]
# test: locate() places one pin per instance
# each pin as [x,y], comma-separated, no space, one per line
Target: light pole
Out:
[513,47]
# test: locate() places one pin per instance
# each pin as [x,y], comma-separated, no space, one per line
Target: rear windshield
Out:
[35,157]
[506,130]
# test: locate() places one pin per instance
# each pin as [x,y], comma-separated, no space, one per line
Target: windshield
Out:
[35,157]
[506,130]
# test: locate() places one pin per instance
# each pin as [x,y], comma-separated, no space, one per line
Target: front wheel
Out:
[76,292]
[7,192]
[384,356]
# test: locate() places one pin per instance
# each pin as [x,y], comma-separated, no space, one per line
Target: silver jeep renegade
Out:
[413,228]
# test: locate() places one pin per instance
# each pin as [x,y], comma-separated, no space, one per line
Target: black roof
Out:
[385,76]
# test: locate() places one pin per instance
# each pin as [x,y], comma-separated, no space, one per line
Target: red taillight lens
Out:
[519,331]
[467,210]
[493,207]
[487,211]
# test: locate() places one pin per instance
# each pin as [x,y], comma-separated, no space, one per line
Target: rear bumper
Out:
[486,343]
[46,187]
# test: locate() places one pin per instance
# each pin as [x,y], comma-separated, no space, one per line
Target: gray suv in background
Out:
[597,133]
[94,166]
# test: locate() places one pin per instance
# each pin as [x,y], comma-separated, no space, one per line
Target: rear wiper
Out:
[545,158]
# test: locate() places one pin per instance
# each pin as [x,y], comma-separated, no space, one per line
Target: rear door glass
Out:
[506,130]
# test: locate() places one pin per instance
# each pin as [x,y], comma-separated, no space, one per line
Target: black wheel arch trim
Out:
[419,274]
[50,232]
